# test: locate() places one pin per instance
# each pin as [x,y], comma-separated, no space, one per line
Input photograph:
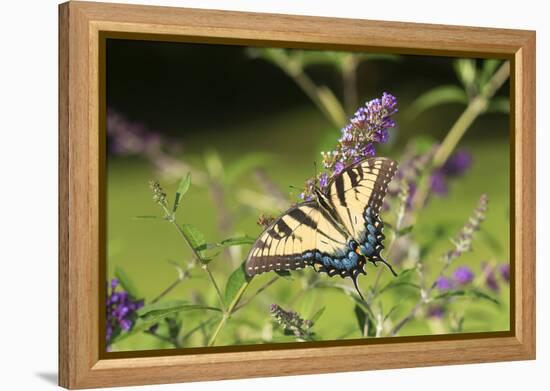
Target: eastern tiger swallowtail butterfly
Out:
[336,232]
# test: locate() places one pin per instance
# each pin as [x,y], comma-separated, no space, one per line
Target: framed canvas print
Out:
[248,195]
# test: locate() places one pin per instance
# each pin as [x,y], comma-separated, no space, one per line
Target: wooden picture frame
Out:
[81,203]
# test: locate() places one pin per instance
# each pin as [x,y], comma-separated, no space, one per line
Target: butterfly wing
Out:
[357,195]
[298,238]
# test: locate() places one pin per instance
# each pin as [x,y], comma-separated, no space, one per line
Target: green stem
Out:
[170,217]
[475,108]
[227,314]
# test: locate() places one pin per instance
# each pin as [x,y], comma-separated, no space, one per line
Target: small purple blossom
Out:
[504,270]
[463,275]
[338,168]
[437,312]
[323,180]
[121,310]
[457,164]
[444,283]
[438,183]
[454,167]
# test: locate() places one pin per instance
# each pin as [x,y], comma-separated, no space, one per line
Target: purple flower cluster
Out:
[127,137]
[462,275]
[369,125]
[121,310]
[454,167]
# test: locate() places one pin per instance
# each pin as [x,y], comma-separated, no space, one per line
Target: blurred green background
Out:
[211,108]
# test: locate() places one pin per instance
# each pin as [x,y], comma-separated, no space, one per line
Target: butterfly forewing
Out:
[291,241]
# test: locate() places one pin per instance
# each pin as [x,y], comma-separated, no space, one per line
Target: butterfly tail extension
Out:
[354,279]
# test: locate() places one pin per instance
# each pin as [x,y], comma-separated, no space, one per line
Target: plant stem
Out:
[260,290]
[476,107]
[166,291]
[170,217]
[227,313]
[349,80]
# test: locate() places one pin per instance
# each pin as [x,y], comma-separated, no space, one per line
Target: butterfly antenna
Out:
[357,287]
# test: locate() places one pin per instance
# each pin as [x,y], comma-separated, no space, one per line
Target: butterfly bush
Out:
[121,310]
[370,125]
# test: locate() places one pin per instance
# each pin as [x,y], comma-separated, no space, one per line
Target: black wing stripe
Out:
[339,182]
[302,218]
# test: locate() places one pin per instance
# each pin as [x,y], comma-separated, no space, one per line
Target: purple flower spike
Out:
[438,183]
[463,275]
[457,164]
[504,270]
[444,284]
[121,311]
[369,125]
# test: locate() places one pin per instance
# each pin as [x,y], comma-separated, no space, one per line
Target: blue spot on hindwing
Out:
[327,261]
[371,239]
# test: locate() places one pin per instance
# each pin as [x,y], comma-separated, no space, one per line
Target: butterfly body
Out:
[336,233]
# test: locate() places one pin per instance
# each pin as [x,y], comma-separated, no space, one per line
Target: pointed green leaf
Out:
[465,70]
[436,96]
[237,241]
[245,165]
[153,313]
[361,318]
[317,315]
[237,281]
[195,237]
[467,293]
[126,283]
[182,189]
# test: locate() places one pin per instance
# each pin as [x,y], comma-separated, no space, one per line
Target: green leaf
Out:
[465,70]
[238,280]
[195,237]
[436,96]
[405,231]
[500,104]
[158,311]
[371,329]
[403,279]
[361,318]
[153,313]
[317,315]
[126,283]
[182,189]
[467,293]
[214,164]
[237,241]
[246,164]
